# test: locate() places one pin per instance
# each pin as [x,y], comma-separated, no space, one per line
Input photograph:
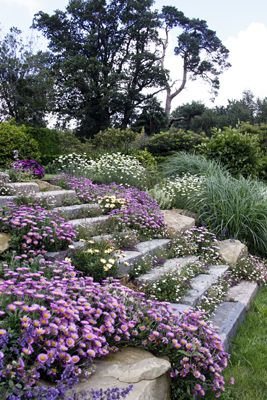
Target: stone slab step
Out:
[178,308]
[57,198]
[226,318]
[142,249]
[4,200]
[172,265]
[73,212]
[231,313]
[60,255]
[244,292]
[23,188]
[88,222]
[201,283]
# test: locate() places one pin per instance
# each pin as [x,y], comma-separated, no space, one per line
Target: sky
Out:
[240,24]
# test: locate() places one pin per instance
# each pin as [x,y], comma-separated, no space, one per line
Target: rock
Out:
[130,366]
[4,242]
[4,177]
[232,250]
[46,186]
[177,222]
[23,188]
[57,198]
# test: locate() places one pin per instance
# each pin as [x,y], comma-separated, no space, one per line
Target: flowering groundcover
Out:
[55,322]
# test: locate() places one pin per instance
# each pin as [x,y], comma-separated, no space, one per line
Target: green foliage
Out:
[167,143]
[152,119]
[145,158]
[235,208]
[95,260]
[185,163]
[25,81]
[103,71]
[249,354]
[12,138]
[238,152]
[53,142]
[113,139]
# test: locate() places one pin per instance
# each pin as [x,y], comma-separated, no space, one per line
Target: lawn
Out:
[248,364]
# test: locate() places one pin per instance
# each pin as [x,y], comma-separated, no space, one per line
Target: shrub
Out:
[14,138]
[167,143]
[29,166]
[181,192]
[114,140]
[119,168]
[185,163]
[236,208]
[71,163]
[238,152]
[53,142]
[95,260]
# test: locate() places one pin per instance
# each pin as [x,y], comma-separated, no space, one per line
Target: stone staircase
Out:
[228,314]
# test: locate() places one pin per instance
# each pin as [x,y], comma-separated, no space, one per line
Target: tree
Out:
[25,81]
[202,53]
[105,60]
[152,118]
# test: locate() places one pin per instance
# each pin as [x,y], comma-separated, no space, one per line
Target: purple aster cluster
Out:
[140,211]
[56,326]
[35,230]
[30,166]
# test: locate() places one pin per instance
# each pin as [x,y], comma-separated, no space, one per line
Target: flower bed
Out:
[31,167]
[54,323]
[35,230]
[138,211]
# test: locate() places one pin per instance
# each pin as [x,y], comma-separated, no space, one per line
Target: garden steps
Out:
[202,283]
[23,188]
[57,198]
[230,314]
[169,266]
[54,198]
[143,249]
[89,222]
[74,211]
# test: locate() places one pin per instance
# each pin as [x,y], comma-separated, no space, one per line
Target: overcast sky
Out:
[240,24]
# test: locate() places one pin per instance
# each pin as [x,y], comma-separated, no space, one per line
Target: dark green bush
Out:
[13,137]
[53,142]
[238,152]
[113,139]
[167,143]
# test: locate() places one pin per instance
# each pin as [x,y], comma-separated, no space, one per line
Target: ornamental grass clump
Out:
[53,329]
[35,230]
[236,208]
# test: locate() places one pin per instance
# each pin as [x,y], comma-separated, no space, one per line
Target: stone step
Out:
[4,200]
[231,313]
[171,265]
[201,283]
[89,222]
[142,249]
[75,211]
[57,198]
[23,188]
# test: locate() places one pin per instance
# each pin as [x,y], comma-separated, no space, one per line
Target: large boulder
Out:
[177,222]
[4,242]
[232,250]
[146,373]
